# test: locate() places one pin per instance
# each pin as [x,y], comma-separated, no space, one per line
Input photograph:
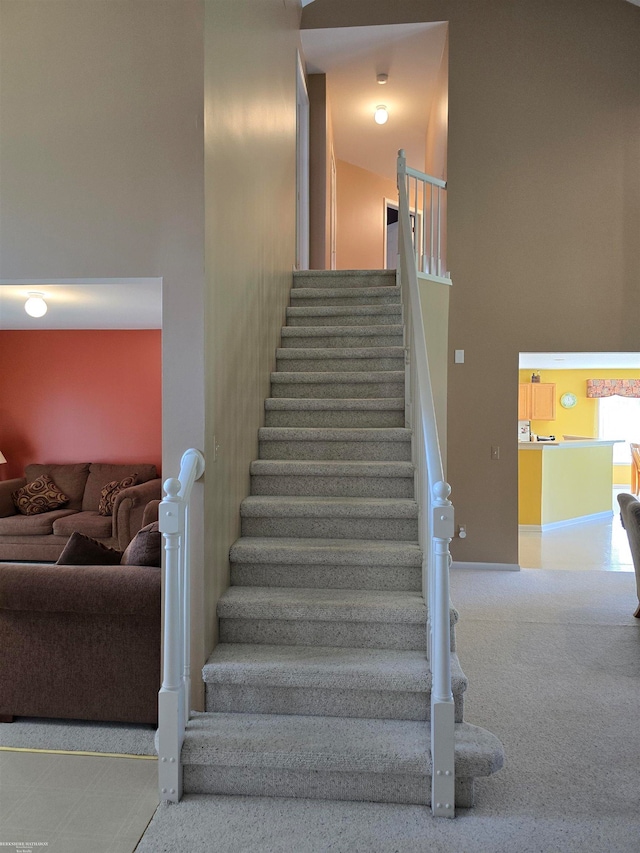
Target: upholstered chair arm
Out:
[6,488]
[129,507]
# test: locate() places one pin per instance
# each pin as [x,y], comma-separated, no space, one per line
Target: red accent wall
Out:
[80,396]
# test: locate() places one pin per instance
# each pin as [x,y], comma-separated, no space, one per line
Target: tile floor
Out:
[74,803]
[590,545]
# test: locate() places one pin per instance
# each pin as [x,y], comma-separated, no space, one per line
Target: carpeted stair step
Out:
[327,757]
[344,359]
[341,315]
[374,445]
[326,563]
[312,337]
[330,517]
[320,412]
[336,682]
[344,278]
[332,478]
[327,384]
[303,297]
[382,619]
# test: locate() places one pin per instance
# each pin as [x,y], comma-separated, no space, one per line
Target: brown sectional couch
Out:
[42,537]
[80,642]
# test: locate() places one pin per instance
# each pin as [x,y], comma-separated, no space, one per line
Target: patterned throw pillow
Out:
[39,496]
[110,492]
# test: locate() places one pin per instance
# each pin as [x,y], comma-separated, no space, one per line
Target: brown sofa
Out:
[630,518]
[79,642]
[42,537]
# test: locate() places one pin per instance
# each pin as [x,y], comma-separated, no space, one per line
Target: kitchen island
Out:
[564,482]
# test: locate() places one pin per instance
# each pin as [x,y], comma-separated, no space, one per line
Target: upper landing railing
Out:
[174,696]
[426,198]
[420,249]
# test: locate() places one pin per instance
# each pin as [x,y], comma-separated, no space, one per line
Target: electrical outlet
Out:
[495,451]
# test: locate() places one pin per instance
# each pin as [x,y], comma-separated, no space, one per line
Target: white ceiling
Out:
[94,304]
[352,57]
[579,360]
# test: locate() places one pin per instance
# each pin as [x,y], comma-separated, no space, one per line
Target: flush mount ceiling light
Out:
[35,306]
[381,115]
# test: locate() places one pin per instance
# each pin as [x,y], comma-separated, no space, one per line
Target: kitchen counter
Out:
[583,442]
[564,482]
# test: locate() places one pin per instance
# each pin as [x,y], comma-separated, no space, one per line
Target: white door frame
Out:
[302,168]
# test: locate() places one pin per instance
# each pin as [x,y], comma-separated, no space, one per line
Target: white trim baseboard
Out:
[486,567]
[554,525]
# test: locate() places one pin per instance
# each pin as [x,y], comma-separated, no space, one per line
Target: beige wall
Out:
[360,217]
[250,124]
[320,148]
[544,180]
[438,122]
[101,172]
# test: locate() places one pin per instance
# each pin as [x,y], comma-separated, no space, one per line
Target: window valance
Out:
[611,387]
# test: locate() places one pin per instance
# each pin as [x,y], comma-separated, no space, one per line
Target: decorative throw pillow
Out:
[39,496]
[145,549]
[110,492]
[81,550]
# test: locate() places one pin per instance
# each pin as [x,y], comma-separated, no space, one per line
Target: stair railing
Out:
[436,524]
[174,695]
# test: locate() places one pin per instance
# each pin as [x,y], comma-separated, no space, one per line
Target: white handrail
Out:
[432,492]
[173,698]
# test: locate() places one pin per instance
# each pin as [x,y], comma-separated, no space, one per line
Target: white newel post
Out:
[171,699]
[175,694]
[442,706]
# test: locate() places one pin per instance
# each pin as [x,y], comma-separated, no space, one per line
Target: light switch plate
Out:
[458,356]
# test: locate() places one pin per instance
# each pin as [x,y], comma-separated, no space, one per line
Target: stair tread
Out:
[341,292]
[292,742]
[324,551]
[338,668]
[331,468]
[330,605]
[341,310]
[340,331]
[351,278]
[330,403]
[315,506]
[334,434]
[339,352]
[342,376]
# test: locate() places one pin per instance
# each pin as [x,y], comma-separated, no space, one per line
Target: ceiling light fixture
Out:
[381,115]
[35,306]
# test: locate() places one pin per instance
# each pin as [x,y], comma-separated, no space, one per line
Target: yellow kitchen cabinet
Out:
[537,401]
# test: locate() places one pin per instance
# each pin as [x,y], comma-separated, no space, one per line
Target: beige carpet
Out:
[553,660]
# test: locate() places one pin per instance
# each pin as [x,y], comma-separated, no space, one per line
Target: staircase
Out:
[320,685]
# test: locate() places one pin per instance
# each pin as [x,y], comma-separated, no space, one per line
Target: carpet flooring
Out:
[78,736]
[553,660]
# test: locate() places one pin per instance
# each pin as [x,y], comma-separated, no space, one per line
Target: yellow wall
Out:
[530,487]
[583,418]
[559,484]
